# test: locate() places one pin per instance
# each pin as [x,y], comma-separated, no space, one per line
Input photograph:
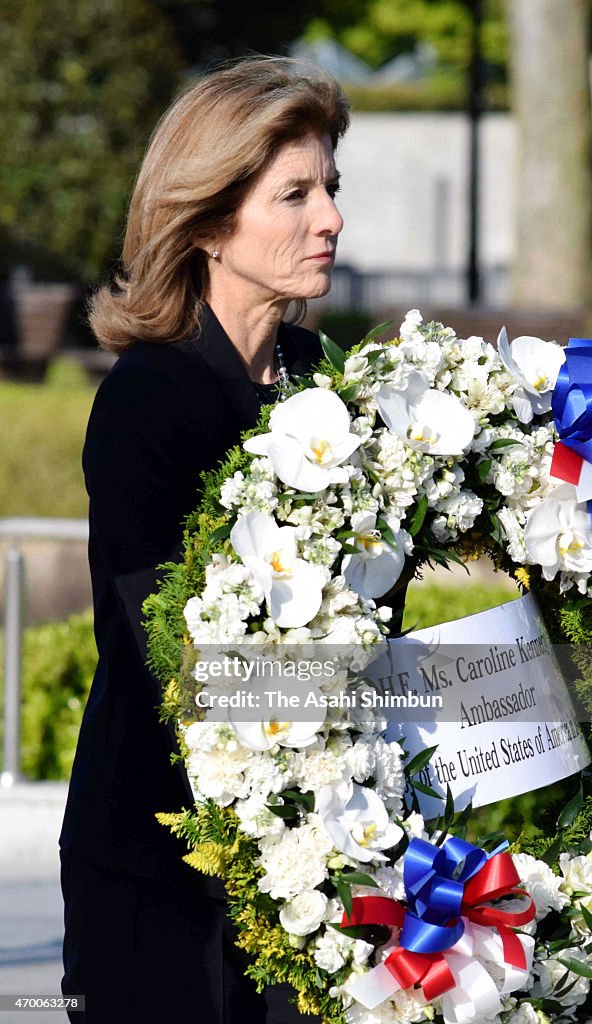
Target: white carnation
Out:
[540,882]
[297,861]
[257,819]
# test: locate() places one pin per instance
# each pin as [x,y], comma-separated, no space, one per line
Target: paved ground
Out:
[31,915]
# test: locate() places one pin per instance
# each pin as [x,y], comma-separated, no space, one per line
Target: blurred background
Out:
[466,192]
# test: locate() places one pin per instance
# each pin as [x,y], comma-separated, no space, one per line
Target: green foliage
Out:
[83,83]
[41,440]
[381,29]
[59,661]
[447,93]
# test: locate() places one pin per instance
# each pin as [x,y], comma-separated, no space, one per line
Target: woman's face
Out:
[283,244]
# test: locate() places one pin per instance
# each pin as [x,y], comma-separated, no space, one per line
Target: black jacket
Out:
[164,413]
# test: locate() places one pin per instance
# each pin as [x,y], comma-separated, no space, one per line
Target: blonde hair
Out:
[203,158]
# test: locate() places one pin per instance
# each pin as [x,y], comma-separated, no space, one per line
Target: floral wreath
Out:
[423,448]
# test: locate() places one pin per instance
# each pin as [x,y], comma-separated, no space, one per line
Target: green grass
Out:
[41,436]
[430,603]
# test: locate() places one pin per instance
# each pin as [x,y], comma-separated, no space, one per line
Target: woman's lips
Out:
[325,257]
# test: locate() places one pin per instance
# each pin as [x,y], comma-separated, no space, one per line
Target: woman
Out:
[232,218]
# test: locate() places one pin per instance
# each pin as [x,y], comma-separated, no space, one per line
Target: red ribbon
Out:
[566,464]
[429,970]
[498,877]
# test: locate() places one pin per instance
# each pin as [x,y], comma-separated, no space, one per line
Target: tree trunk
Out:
[551,98]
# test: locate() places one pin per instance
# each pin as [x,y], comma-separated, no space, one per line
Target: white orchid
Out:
[292,586]
[357,821]
[377,566]
[309,439]
[534,364]
[267,734]
[558,533]
[426,419]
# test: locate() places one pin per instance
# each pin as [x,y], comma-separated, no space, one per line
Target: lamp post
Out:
[475,110]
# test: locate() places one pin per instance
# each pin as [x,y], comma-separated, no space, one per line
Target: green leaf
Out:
[449,808]
[283,810]
[387,534]
[420,760]
[221,533]
[344,894]
[346,394]
[350,549]
[419,515]
[358,878]
[464,816]
[571,809]
[550,855]
[376,331]
[575,966]
[333,352]
[503,442]
[306,799]
[303,382]
[427,790]
[483,469]
[587,917]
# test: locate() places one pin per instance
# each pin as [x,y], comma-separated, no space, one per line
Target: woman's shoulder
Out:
[147,371]
[149,392]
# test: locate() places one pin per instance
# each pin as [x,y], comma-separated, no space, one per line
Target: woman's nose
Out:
[328,220]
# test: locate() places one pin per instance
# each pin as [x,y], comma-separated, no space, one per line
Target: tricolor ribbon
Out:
[572,410]
[444,925]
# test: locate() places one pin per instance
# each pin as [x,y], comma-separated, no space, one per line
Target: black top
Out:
[164,413]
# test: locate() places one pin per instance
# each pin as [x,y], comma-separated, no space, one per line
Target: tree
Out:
[551,98]
[83,83]
[377,30]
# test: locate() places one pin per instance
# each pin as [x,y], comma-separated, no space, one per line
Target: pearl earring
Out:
[215,254]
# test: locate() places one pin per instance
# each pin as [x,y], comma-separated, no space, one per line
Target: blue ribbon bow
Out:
[435,879]
[572,398]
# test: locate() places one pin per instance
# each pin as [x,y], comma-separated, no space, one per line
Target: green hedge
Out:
[436,96]
[59,661]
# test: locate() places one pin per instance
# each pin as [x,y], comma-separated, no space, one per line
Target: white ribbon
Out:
[476,995]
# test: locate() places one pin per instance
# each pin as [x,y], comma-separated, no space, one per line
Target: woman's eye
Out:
[298,193]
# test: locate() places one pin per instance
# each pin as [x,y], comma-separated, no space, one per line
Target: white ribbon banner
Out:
[507,723]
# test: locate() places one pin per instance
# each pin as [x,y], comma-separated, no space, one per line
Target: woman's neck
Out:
[252,330]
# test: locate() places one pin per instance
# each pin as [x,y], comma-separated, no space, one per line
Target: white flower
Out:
[309,439]
[292,587]
[264,735]
[577,877]
[295,862]
[257,819]
[426,419]
[314,769]
[377,566]
[357,820]
[534,364]
[220,774]
[304,913]
[542,884]
[525,1014]
[558,533]
[550,972]
[410,327]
